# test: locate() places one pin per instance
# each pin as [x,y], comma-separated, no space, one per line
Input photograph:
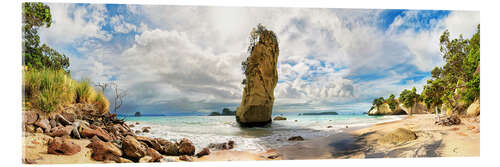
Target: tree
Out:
[391,101]
[35,16]
[409,98]
[378,101]
[118,96]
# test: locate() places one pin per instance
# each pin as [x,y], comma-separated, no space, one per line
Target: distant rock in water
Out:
[279,118]
[225,112]
[261,78]
[137,114]
[321,113]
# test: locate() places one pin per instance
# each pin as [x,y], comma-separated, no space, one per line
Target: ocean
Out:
[203,130]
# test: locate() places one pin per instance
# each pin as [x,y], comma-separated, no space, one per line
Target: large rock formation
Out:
[385,109]
[261,78]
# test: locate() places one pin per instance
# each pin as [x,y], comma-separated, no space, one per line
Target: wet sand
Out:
[432,141]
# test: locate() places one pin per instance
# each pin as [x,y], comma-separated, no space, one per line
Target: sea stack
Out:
[261,78]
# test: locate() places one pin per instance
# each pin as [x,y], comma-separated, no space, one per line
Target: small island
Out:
[225,112]
[137,114]
[321,113]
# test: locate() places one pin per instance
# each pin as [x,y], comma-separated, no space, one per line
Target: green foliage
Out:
[83,91]
[101,102]
[409,98]
[48,90]
[391,101]
[36,15]
[378,101]
[215,113]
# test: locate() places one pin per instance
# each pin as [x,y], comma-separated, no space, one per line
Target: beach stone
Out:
[171,149]
[138,131]
[30,117]
[296,138]
[125,160]
[133,148]
[146,129]
[137,123]
[329,126]
[145,159]
[230,144]
[398,136]
[150,142]
[185,158]
[474,109]
[71,117]
[29,128]
[155,155]
[62,131]
[38,130]
[44,124]
[261,77]
[186,147]
[451,120]
[102,151]
[53,123]
[161,141]
[203,152]
[61,146]
[279,118]
[168,159]
[218,146]
[74,131]
[271,154]
[131,125]
[95,131]
[59,118]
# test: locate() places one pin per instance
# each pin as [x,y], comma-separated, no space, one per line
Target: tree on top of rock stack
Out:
[261,77]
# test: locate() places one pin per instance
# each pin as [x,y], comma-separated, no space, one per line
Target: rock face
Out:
[385,109]
[474,108]
[261,78]
[398,136]
[61,146]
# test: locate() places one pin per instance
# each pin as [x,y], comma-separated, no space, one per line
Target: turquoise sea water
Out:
[203,130]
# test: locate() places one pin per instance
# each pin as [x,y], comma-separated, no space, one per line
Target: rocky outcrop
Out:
[133,149]
[385,109]
[398,136]
[105,151]
[418,108]
[186,147]
[61,146]
[474,108]
[261,78]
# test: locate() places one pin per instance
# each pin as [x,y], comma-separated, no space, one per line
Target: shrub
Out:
[46,89]
[83,91]
[101,103]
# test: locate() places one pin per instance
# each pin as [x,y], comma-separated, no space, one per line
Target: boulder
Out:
[146,129]
[296,138]
[398,136]
[271,154]
[145,159]
[171,149]
[38,130]
[203,152]
[451,120]
[279,118]
[186,147]
[95,131]
[30,117]
[230,144]
[71,117]
[155,155]
[62,146]
[474,109]
[185,158]
[53,123]
[125,160]
[132,148]
[62,131]
[62,120]
[161,141]
[261,78]
[102,151]
[222,146]
[44,124]
[150,142]
[29,128]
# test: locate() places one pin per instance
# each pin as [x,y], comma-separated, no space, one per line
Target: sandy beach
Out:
[432,141]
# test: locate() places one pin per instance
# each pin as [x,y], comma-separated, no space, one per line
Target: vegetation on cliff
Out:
[47,83]
[456,85]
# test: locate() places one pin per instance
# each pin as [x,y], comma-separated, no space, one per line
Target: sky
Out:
[187,59]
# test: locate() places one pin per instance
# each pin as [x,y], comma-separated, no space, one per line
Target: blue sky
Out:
[186,59]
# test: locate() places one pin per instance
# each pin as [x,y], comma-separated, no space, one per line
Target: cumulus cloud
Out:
[184,58]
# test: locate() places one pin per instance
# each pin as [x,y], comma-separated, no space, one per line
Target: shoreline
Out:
[432,141]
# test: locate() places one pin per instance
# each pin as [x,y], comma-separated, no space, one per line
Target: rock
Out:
[398,136]
[261,79]
[203,152]
[64,131]
[131,125]
[474,109]
[145,159]
[296,138]
[138,131]
[53,123]
[30,117]
[271,154]
[132,148]
[329,126]
[161,141]
[137,114]
[71,117]
[218,146]
[95,131]
[102,151]
[74,131]
[278,118]
[230,144]
[186,147]
[385,109]
[125,160]
[44,124]
[38,130]
[62,120]
[155,155]
[168,159]
[29,128]
[150,142]
[146,129]
[137,123]
[171,149]
[61,146]
[451,120]
[185,158]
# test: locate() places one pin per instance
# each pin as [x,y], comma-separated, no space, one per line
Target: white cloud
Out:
[120,25]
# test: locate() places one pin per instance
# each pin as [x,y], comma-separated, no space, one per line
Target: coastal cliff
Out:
[261,79]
